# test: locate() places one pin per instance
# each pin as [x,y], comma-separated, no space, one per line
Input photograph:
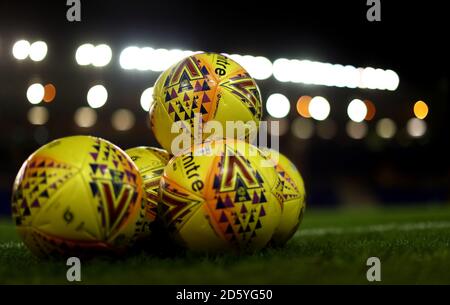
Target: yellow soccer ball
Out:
[209,86]
[150,162]
[293,197]
[220,197]
[77,195]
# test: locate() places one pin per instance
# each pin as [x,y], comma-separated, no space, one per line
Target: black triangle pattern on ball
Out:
[43,176]
[186,83]
[112,185]
[248,200]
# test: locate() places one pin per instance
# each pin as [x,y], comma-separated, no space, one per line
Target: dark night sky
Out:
[322,30]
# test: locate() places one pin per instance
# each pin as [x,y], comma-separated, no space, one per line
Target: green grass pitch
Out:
[331,247]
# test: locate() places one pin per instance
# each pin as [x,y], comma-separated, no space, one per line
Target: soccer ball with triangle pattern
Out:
[212,87]
[218,197]
[150,162]
[79,196]
[292,197]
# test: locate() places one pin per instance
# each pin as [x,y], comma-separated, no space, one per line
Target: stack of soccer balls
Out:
[83,195]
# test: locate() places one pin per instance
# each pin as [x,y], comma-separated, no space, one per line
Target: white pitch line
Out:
[376,228]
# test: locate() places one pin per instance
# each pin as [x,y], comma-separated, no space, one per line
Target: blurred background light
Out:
[236,57]
[319,108]
[145,61]
[379,79]
[327,74]
[386,128]
[357,110]
[175,55]
[147,58]
[38,115]
[161,60]
[302,128]
[356,130]
[85,117]
[326,129]
[147,99]
[280,128]
[281,68]
[98,56]
[371,110]
[350,76]
[49,93]
[420,110]
[416,128]
[122,119]
[129,58]
[303,105]
[392,80]
[263,68]
[35,93]
[278,105]
[367,75]
[187,53]
[375,79]
[21,49]
[101,55]
[38,50]
[336,76]
[84,54]
[97,96]
[258,67]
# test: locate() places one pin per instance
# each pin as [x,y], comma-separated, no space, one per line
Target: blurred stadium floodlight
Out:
[98,56]
[386,128]
[38,50]
[356,130]
[302,128]
[122,119]
[259,67]
[149,59]
[147,99]
[278,105]
[97,96]
[35,93]
[319,108]
[420,110]
[357,110]
[38,115]
[85,117]
[318,73]
[23,49]
[416,128]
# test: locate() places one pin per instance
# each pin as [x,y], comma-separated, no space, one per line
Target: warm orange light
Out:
[420,110]
[302,106]
[371,110]
[49,93]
